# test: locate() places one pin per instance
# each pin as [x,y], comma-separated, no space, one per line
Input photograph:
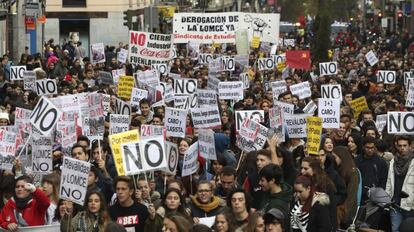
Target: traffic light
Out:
[128,19]
[380,15]
[400,14]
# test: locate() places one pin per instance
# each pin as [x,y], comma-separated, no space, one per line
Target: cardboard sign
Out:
[314,131]
[400,122]
[266,64]
[358,105]
[371,58]
[278,87]
[380,122]
[42,155]
[175,122]
[329,110]
[122,56]
[256,115]
[167,92]
[190,164]
[148,77]
[45,116]
[205,58]
[17,73]
[228,63]
[206,144]
[229,90]
[145,155]
[115,141]
[247,135]
[388,77]
[310,107]
[287,108]
[98,53]
[328,68]
[206,117]
[118,123]
[296,125]
[206,98]
[74,180]
[162,69]
[185,86]
[331,91]
[29,80]
[137,95]
[244,77]
[302,90]
[172,157]
[125,86]
[121,107]
[148,131]
[46,87]
[149,48]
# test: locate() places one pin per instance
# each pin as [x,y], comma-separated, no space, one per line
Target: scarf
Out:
[22,202]
[401,164]
[215,201]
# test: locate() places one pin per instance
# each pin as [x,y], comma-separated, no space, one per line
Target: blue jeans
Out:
[396,219]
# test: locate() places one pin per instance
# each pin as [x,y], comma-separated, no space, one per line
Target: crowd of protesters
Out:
[278,188]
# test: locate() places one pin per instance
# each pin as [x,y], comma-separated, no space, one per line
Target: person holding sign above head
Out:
[126,211]
[93,219]
[27,207]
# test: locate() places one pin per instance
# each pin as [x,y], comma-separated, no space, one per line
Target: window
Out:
[74,3]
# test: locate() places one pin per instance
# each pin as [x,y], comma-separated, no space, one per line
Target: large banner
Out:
[222,27]
[149,48]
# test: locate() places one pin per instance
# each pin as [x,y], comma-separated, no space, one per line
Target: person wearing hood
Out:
[27,207]
[277,194]
[204,203]
[221,143]
[310,212]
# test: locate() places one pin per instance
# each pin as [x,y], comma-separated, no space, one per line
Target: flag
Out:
[299,59]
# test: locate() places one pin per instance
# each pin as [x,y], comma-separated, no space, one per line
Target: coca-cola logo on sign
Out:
[157,54]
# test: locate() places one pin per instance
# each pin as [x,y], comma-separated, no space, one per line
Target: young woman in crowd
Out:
[256,222]
[94,218]
[50,184]
[176,223]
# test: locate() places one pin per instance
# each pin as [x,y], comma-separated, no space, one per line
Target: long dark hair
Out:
[306,182]
[181,208]
[320,179]
[103,217]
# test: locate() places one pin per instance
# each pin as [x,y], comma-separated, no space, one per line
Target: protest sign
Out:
[149,48]
[244,77]
[409,101]
[185,86]
[7,143]
[302,90]
[265,26]
[229,90]
[310,107]
[265,64]
[329,110]
[116,74]
[29,80]
[193,49]
[407,75]
[46,87]
[242,42]
[213,83]
[190,164]
[172,157]
[121,107]
[151,131]
[7,162]
[175,122]
[388,77]
[148,77]
[74,180]
[206,98]
[278,87]
[287,108]
[48,228]
[145,155]
[247,135]
[261,137]
[106,103]
[115,141]
[371,58]
[228,63]
[42,155]
[105,78]
[118,123]
[400,122]
[162,69]
[122,56]
[296,125]
[167,92]
[314,131]
[256,115]
[331,91]
[289,42]
[380,122]
[44,116]
[182,102]
[206,117]
[255,43]
[137,95]
[206,144]
[17,73]
[358,105]
[98,53]
[125,85]
[276,123]
[328,68]
[205,58]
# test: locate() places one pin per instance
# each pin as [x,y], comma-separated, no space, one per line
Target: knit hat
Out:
[4,115]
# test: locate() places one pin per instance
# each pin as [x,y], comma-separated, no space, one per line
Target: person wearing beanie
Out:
[4,119]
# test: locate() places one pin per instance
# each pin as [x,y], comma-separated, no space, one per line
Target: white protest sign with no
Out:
[185,86]
[190,164]
[331,91]
[329,110]
[16,73]
[45,116]
[46,87]
[74,180]
[400,122]
[229,90]
[42,155]
[328,68]
[175,122]
[265,64]
[388,77]
[228,63]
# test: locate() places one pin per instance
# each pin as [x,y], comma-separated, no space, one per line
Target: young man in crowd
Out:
[239,202]
[227,182]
